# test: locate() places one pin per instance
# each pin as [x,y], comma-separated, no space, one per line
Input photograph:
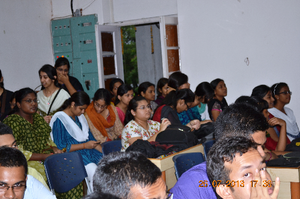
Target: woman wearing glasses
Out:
[138,125]
[282,96]
[103,118]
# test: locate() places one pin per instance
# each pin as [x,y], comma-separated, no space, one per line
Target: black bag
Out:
[294,145]
[287,160]
[177,135]
[204,130]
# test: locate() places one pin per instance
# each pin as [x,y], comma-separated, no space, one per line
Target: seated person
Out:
[5,96]
[13,174]
[237,120]
[162,90]
[236,170]
[138,125]
[205,93]
[69,83]
[114,84]
[129,176]
[124,95]
[103,118]
[218,103]
[147,90]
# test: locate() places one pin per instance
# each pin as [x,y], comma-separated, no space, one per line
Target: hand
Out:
[56,150]
[91,144]
[195,124]
[276,121]
[63,78]
[164,124]
[205,121]
[260,190]
[47,118]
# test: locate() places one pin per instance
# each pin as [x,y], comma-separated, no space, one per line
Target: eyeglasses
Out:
[100,106]
[16,187]
[286,92]
[144,107]
[170,195]
[62,70]
[30,100]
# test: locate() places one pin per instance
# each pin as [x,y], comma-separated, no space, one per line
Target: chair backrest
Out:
[207,145]
[64,171]
[111,146]
[185,161]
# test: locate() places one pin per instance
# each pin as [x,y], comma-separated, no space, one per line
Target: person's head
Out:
[13,173]
[233,162]
[281,93]
[12,101]
[101,100]
[48,76]
[262,106]
[114,84]
[138,109]
[241,119]
[264,92]
[219,86]
[26,101]
[129,175]
[100,196]
[77,103]
[178,80]
[180,100]
[162,87]
[6,136]
[62,66]
[124,94]
[205,92]
[147,90]
[1,80]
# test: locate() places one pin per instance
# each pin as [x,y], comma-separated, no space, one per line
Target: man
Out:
[236,170]
[236,120]
[13,173]
[129,176]
[35,189]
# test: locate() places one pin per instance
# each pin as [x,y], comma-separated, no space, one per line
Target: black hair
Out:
[123,89]
[247,100]
[205,90]
[118,172]
[144,86]
[133,104]
[61,62]
[260,91]
[172,98]
[5,130]
[177,79]
[160,84]
[276,89]
[103,94]
[239,119]
[261,103]
[1,83]
[100,196]
[11,157]
[214,83]
[51,73]
[21,94]
[80,98]
[225,150]
[113,81]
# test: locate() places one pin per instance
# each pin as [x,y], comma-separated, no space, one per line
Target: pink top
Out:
[121,114]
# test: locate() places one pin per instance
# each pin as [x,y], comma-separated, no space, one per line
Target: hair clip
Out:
[274,91]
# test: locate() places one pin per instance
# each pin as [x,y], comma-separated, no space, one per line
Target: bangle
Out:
[64,149]
[83,145]
[270,156]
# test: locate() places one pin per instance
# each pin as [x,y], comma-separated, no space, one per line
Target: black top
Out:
[170,114]
[216,104]
[75,83]
[7,104]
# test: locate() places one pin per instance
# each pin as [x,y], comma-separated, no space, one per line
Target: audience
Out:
[103,118]
[5,96]
[124,95]
[218,103]
[162,90]
[147,90]
[51,97]
[69,83]
[138,123]
[232,165]
[114,84]
[70,132]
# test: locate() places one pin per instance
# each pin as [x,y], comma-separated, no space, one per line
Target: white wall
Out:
[216,37]
[25,41]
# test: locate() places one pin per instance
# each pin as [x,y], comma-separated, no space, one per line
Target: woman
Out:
[264,92]
[138,124]
[68,83]
[162,90]
[30,129]
[176,102]
[124,95]
[5,96]
[103,118]
[178,80]
[114,84]
[205,93]
[282,96]
[218,103]
[70,132]
[51,97]
[147,90]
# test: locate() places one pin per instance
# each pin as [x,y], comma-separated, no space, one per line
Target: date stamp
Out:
[234,183]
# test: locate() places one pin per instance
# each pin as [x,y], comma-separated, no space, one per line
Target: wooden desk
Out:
[166,164]
[289,181]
